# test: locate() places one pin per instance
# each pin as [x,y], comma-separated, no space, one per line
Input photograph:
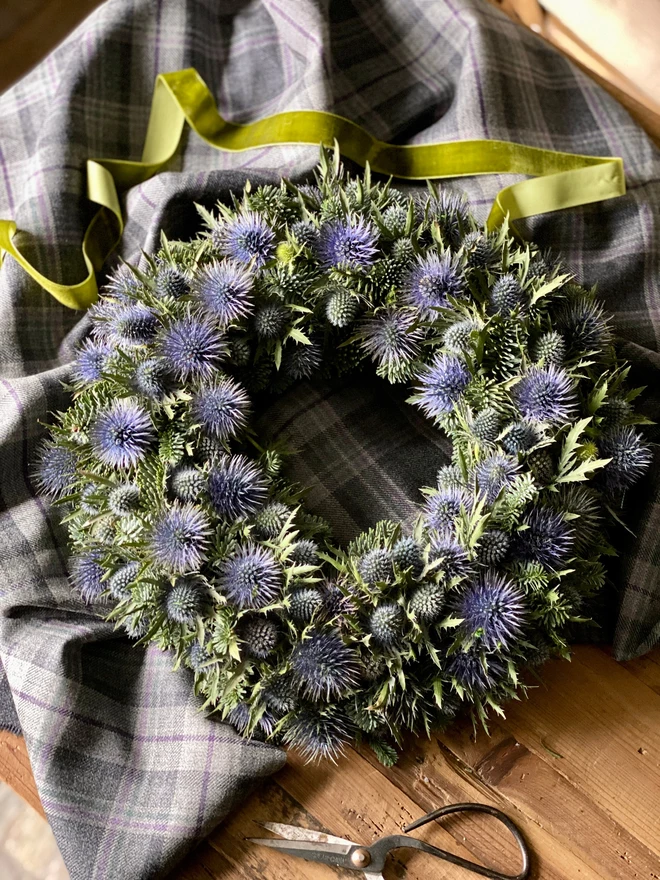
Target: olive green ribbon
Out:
[559,180]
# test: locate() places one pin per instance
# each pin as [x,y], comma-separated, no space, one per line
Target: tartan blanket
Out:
[130,773]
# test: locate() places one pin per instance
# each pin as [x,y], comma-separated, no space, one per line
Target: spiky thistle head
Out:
[457,338]
[506,294]
[493,611]
[454,561]
[224,290]
[549,348]
[546,394]
[304,603]
[259,635]
[270,520]
[192,348]
[450,211]
[394,219]
[124,499]
[119,583]
[616,412]
[582,503]
[486,425]
[630,457]
[246,238]
[186,599]
[441,385]
[495,473]
[198,658]
[301,361]
[56,470]
[450,476]
[348,244]
[476,671]
[122,283]
[324,665]
[240,351]
[305,233]
[407,555]
[548,539]
[151,378]
[133,324]
[520,437]
[541,465]
[338,603]
[341,306]
[386,624]
[427,602]
[252,577]
[480,250]
[121,434]
[221,408]
[270,319]
[443,507]
[170,282]
[188,483]
[375,566]
[318,733]
[391,337]
[493,547]
[583,324]
[432,280]
[281,694]
[179,538]
[91,359]
[86,575]
[237,487]
[304,552]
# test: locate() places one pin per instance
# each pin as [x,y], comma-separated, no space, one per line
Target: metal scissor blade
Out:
[327,853]
[294,832]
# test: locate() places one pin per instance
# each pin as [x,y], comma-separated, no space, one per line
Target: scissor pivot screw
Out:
[360,857]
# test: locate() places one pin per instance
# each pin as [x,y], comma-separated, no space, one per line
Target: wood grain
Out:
[15,769]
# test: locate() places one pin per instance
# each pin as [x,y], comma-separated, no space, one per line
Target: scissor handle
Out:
[380,850]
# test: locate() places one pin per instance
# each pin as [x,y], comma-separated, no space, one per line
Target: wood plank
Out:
[646,669]
[15,769]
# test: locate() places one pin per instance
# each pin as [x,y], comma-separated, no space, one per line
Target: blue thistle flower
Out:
[493,610]
[134,324]
[495,473]
[198,657]
[305,233]
[124,499]
[324,665]
[441,385]
[338,604]
[188,483]
[486,425]
[281,694]
[151,378]
[427,602]
[304,603]
[91,359]
[192,348]
[270,320]
[450,476]
[407,555]
[431,281]
[318,734]
[237,487]
[221,409]
[88,500]
[304,552]
[224,290]
[520,437]
[457,337]
[119,583]
[476,671]
[259,635]
[386,623]
[122,283]
[239,718]
[546,394]
[443,507]
[547,538]
[121,434]
[341,306]
[270,520]
[170,281]
[493,547]
[348,244]
[452,215]
[86,574]
[630,456]
[376,566]
[301,361]
[506,294]
[615,412]
[179,538]
[246,238]
[550,348]
[455,562]
[481,251]
[56,470]
[252,577]
[391,337]
[582,502]
[584,326]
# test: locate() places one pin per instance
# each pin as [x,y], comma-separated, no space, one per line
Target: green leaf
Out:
[437,691]
[299,336]
[583,471]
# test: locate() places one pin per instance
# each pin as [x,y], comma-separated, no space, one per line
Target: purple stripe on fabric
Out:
[294,24]
[116,822]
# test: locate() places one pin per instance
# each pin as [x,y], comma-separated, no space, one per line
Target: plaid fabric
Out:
[128,770]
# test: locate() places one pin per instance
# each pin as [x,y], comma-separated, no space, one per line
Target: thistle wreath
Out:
[184,522]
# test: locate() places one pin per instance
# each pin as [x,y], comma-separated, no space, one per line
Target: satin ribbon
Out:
[560,180]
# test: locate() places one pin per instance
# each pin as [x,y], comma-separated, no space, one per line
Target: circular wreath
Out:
[185,522]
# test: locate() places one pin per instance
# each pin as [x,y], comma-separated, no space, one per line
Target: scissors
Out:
[315,846]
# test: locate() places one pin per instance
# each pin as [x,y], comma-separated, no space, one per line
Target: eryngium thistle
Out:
[443,507]
[548,538]
[630,456]
[431,281]
[450,476]
[546,394]
[407,555]
[386,624]
[86,574]
[221,408]
[480,250]
[318,734]
[188,483]
[134,324]
[270,320]
[341,306]
[305,233]
[455,562]
[192,348]
[541,465]
[281,694]
[119,583]
[474,670]
[338,604]
[121,434]
[493,547]
[615,412]
[237,487]
[304,552]
[348,244]
[486,425]
[198,657]
[91,359]
[325,666]
[427,602]
[458,337]
[151,378]
[493,610]
[506,294]
[520,437]
[170,281]
[56,470]
[179,538]
[450,211]
[239,718]
[270,520]
[88,500]
[225,291]
[304,603]
[550,348]
[301,361]
[583,503]
[124,499]
[584,326]
[394,219]
[252,577]
[246,238]
[241,351]
[259,635]
[186,599]
[391,337]
[441,385]
[376,566]
[495,473]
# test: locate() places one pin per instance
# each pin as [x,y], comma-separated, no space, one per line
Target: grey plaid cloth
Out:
[129,772]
